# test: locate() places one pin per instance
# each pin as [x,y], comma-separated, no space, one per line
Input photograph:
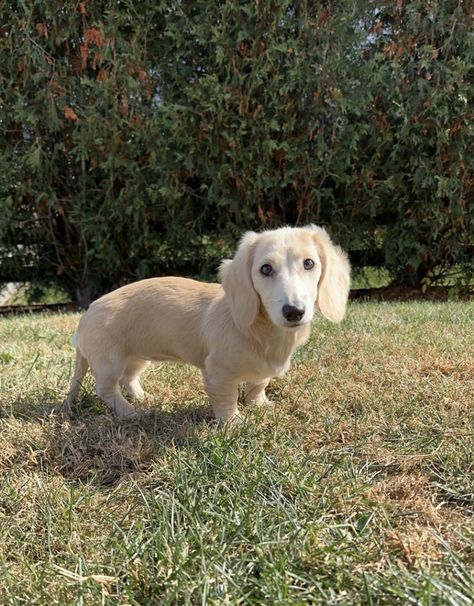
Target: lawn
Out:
[356,487]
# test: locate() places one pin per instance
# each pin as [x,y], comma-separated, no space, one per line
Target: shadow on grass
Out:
[89,444]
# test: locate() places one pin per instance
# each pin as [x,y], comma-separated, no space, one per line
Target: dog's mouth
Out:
[297,324]
[282,322]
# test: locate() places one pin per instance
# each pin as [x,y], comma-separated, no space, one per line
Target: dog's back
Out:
[154,319]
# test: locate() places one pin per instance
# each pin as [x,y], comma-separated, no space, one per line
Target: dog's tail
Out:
[79,372]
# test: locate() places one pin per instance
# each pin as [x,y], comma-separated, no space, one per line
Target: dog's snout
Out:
[293,313]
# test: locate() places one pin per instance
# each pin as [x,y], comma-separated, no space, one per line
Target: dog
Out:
[244,330]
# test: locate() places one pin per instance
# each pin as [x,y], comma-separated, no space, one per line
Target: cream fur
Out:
[234,333]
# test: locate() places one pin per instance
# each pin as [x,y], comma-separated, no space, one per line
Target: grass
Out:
[357,487]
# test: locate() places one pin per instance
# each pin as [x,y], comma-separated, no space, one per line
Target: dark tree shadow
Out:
[90,444]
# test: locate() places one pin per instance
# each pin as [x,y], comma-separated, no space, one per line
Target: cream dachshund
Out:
[243,331]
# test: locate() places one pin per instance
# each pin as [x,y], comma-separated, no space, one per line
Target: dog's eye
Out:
[308,263]
[266,270]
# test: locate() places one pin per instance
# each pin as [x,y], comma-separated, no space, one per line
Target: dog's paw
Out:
[266,402]
[230,422]
[128,413]
[132,416]
[261,402]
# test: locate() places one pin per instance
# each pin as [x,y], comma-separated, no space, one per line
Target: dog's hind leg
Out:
[130,379]
[107,374]
[79,372]
[108,391]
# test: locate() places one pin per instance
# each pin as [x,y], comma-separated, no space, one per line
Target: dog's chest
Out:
[277,369]
[277,357]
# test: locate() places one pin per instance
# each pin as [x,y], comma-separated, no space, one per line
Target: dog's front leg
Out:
[255,393]
[223,394]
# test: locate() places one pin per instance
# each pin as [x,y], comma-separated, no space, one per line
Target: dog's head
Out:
[287,271]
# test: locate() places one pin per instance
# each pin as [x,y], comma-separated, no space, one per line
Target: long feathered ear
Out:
[236,279]
[335,281]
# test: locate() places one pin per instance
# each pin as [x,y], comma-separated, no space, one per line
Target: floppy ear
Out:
[335,281]
[236,278]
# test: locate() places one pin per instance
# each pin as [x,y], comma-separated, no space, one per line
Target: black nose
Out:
[292,313]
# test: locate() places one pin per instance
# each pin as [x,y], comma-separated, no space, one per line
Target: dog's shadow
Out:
[88,443]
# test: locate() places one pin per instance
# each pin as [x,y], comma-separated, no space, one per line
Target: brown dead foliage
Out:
[423,521]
